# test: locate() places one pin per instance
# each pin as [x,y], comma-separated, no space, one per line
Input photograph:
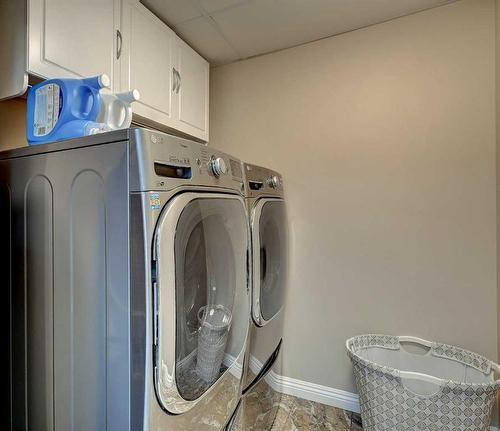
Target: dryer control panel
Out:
[261,181]
[163,162]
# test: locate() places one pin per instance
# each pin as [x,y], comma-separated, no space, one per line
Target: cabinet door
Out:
[71,38]
[147,62]
[193,92]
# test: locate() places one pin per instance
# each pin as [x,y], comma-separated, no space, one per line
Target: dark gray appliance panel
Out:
[69,332]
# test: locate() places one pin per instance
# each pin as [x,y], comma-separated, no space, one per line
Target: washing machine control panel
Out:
[217,166]
[164,162]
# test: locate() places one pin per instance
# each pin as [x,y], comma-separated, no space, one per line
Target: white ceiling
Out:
[224,31]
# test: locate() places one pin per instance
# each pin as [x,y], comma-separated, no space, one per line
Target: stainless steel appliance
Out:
[268,226]
[117,250]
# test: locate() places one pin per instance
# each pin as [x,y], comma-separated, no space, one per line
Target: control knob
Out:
[274,182]
[217,166]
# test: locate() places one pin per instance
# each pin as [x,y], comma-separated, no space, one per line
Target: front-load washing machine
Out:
[269,251]
[124,260]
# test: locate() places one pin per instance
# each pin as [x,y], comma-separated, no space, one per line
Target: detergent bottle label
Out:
[47,108]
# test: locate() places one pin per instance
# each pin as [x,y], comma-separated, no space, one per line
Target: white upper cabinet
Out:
[147,61]
[121,38]
[171,77]
[192,91]
[72,38]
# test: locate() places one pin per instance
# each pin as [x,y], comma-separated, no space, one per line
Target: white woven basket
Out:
[410,384]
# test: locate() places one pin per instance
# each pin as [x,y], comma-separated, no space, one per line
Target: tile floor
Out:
[296,414]
[263,409]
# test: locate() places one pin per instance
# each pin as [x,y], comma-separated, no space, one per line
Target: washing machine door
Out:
[201,300]
[269,251]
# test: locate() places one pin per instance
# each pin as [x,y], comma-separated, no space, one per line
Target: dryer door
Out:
[201,298]
[269,246]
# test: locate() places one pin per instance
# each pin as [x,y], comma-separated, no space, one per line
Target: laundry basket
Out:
[410,384]
[215,322]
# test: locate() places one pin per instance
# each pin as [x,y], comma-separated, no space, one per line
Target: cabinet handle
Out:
[180,82]
[118,44]
[174,79]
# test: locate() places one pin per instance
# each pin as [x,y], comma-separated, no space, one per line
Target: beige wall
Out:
[497,79]
[497,76]
[386,140]
[12,122]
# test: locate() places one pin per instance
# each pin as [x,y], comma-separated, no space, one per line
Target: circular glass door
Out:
[270,258]
[202,278]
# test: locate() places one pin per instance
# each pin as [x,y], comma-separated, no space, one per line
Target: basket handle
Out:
[495,367]
[420,376]
[415,340]
[437,384]
[429,344]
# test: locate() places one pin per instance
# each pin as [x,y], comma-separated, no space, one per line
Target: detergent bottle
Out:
[116,112]
[62,108]
[76,128]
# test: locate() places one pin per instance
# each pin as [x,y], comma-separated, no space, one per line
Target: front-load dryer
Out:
[269,250]
[129,295]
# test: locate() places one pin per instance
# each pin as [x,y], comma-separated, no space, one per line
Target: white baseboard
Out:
[308,391]
[318,393]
